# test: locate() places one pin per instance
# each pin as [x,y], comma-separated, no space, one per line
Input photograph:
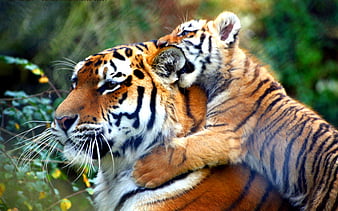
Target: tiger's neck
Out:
[114,180]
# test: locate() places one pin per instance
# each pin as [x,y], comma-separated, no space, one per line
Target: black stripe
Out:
[103,114]
[271,129]
[98,63]
[285,168]
[132,143]
[331,179]
[220,112]
[273,171]
[128,195]
[244,192]
[140,91]
[323,128]
[263,198]
[138,73]
[112,64]
[224,102]
[118,56]
[246,65]
[135,114]
[302,167]
[221,87]
[152,107]
[202,38]
[88,63]
[123,98]
[217,125]
[132,193]
[304,146]
[272,104]
[319,155]
[316,165]
[335,206]
[259,86]
[274,86]
[186,94]
[138,47]
[129,52]
[210,44]
[143,45]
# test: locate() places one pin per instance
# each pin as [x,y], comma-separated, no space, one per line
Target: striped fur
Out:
[123,103]
[250,119]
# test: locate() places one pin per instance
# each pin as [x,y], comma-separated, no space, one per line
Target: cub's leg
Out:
[193,152]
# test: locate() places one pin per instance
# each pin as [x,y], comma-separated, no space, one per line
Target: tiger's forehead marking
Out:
[114,63]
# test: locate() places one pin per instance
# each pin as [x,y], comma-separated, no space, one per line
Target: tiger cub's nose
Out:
[66,122]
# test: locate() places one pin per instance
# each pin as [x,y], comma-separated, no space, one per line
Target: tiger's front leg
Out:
[188,153]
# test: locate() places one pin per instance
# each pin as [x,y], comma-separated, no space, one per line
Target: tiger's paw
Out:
[159,167]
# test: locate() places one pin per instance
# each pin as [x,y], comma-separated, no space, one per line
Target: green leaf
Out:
[23,63]
[16,94]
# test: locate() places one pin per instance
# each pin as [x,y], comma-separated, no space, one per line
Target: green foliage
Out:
[301,46]
[22,62]
[47,31]
[29,165]
[30,173]
[22,110]
[25,187]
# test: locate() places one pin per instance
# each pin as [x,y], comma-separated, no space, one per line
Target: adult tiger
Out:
[123,103]
[250,119]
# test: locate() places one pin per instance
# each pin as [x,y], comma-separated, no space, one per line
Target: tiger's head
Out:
[123,101]
[205,44]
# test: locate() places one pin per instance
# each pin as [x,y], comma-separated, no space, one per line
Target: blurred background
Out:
[40,39]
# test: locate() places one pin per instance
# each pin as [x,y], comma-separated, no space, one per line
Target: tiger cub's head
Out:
[123,101]
[208,45]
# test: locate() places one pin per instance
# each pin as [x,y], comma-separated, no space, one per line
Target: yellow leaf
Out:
[56,173]
[65,204]
[28,205]
[42,195]
[43,79]
[85,180]
[17,126]
[37,71]
[13,209]
[2,189]
[86,169]
[47,125]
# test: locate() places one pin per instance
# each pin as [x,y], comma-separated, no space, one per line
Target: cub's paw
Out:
[160,166]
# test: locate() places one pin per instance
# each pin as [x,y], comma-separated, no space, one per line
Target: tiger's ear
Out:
[167,63]
[227,25]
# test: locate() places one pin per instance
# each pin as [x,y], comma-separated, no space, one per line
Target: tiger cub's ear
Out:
[227,25]
[168,63]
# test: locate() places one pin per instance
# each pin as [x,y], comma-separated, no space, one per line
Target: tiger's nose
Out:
[66,122]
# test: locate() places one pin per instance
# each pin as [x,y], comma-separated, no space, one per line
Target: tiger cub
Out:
[250,119]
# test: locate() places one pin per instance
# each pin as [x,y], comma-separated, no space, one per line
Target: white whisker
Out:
[97,150]
[110,151]
[23,134]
